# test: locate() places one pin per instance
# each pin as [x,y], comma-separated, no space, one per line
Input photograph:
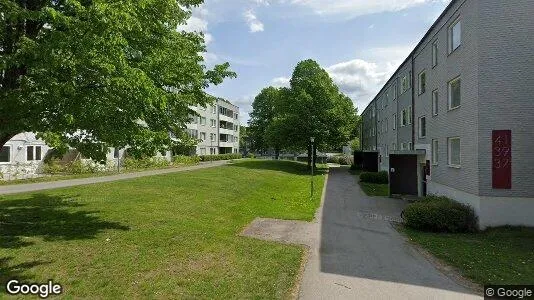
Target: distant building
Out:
[457,117]
[217,128]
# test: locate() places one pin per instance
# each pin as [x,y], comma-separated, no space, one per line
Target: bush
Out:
[221,157]
[145,163]
[440,214]
[251,155]
[184,159]
[354,167]
[375,177]
[340,159]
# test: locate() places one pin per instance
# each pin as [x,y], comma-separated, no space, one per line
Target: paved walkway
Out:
[355,253]
[33,187]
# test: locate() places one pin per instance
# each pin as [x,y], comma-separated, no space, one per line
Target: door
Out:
[403,174]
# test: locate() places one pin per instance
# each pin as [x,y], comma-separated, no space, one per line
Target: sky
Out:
[359,42]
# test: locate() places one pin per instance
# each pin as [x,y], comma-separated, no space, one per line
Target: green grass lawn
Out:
[169,236]
[496,256]
[375,189]
[58,177]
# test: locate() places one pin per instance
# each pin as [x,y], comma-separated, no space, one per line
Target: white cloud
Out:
[254,24]
[280,82]
[358,7]
[198,22]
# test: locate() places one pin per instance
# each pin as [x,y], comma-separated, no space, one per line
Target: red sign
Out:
[502,159]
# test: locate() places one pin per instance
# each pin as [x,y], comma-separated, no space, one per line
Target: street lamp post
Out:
[312,140]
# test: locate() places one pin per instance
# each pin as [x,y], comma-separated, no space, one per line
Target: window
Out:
[116,153]
[455,35]
[212,151]
[212,137]
[404,118]
[435,54]
[410,146]
[402,146]
[435,149]
[394,146]
[455,94]
[202,120]
[236,116]
[454,152]
[213,123]
[5,154]
[422,127]
[422,83]
[386,150]
[405,83]
[33,153]
[394,121]
[203,136]
[386,125]
[435,103]
[394,91]
[214,109]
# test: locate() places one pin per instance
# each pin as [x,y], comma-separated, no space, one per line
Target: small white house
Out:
[22,157]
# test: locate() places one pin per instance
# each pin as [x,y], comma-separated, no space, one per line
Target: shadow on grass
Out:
[292,167]
[10,271]
[50,218]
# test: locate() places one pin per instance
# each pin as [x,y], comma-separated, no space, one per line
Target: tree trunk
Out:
[277,153]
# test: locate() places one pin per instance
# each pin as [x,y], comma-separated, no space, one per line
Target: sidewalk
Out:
[34,187]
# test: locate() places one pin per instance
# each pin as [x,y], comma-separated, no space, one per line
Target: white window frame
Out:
[395,121]
[214,109]
[386,146]
[410,116]
[34,153]
[449,152]
[422,88]
[435,152]
[9,156]
[404,117]
[202,134]
[419,122]
[449,88]
[435,52]
[435,103]
[451,36]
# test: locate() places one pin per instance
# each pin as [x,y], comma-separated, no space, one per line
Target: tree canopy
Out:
[312,106]
[97,73]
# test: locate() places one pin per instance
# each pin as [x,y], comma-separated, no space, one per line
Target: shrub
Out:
[251,155]
[184,159]
[375,177]
[145,163]
[440,214]
[354,167]
[340,159]
[333,160]
[221,157]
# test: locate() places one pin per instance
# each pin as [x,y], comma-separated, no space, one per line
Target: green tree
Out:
[316,108]
[99,73]
[262,116]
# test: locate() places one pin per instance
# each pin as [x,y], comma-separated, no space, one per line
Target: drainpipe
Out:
[413,103]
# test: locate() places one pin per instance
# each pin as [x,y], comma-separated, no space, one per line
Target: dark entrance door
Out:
[370,162]
[403,174]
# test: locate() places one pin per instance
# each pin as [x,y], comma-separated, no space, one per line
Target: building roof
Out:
[415,49]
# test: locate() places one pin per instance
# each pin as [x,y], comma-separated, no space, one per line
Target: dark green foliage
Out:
[340,159]
[251,155]
[354,167]
[99,74]
[440,214]
[221,157]
[375,177]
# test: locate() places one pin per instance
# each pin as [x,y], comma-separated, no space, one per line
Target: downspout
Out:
[413,103]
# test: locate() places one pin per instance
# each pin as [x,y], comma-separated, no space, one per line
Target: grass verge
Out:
[169,236]
[503,255]
[375,189]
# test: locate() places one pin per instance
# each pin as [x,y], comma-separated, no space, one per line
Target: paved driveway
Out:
[357,254]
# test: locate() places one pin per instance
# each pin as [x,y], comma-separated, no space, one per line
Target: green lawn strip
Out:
[51,178]
[169,236]
[502,255]
[375,189]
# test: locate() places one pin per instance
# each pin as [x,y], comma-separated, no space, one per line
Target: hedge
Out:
[221,157]
[340,159]
[375,177]
[440,214]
